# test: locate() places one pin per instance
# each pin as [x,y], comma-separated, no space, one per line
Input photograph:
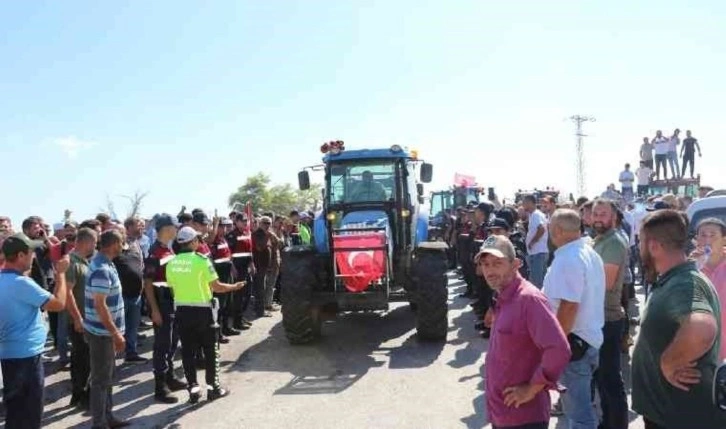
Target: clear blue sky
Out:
[186,99]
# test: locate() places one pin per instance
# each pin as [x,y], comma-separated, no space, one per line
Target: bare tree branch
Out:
[135,202]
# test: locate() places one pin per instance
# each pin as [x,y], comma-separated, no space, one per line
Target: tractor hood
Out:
[356,219]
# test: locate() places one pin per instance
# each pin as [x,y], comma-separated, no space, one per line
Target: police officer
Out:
[222,258]
[161,303]
[192,278]
[240,240]
[482,213]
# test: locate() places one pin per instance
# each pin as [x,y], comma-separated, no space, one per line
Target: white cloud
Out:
[72,146]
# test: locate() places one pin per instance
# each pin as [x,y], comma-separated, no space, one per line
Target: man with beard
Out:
[528,350]
[676,354]
[614,253]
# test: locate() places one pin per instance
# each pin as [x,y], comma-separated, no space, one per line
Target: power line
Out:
[578,120]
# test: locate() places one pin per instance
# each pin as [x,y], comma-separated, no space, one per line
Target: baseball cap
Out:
[200,217]
[498,246]
[226,221]
[304,215]
[498,223]
[19,243]
[186,234]
[164,220]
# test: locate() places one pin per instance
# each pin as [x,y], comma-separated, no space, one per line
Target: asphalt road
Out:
[369,371]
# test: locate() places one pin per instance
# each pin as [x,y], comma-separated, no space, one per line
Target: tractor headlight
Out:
[405,213]
[330,216]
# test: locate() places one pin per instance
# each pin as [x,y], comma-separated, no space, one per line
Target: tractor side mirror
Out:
[420,199]
[419,189]
[427,172]
[303,180]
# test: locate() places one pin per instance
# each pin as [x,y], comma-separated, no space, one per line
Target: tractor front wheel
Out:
[429,275]
[300,318]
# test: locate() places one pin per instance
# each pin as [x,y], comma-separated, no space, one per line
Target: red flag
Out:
[360,267]
[248,212]
[464,180]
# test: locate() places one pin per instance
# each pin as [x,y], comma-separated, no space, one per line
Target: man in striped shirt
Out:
[104,325]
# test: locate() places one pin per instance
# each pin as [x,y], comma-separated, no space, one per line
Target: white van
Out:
[705,208]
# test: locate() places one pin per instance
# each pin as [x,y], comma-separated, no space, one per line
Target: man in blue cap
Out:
[161,304]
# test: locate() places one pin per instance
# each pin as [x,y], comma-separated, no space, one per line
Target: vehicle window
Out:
[368,181]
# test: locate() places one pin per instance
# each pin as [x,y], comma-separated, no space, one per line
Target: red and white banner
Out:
[464,180]
[360,267]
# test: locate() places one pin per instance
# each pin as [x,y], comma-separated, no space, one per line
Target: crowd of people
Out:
[195,279]
[658,153]
[553,285]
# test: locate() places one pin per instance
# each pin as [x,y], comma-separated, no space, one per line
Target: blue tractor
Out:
[369,245]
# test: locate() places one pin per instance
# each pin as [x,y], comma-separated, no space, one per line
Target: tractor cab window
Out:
[372,181]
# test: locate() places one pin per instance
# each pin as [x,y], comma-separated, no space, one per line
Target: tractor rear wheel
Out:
[429,275]
[300,318]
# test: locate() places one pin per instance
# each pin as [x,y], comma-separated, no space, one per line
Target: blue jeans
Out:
[609,378]
[673,162]
[537,268]
[23,392]
[62,335]
[132,312]
[576,402]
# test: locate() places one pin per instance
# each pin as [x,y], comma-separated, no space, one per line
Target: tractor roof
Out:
[390,153]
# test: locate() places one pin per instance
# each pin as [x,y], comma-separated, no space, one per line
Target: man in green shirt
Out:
[76,278]
[192,278]
[676,354]
[614,253]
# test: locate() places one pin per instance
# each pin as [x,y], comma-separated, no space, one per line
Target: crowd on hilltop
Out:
[196,280]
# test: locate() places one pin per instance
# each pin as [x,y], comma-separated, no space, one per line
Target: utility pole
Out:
[578,120]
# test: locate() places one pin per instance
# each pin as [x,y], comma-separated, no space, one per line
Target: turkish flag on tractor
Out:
[464,180]
[360,267]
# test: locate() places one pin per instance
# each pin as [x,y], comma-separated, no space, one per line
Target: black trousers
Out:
[166,336]
[224,271]
[80,363]
[240,299]
[662,160]
[688,158]
[195,332]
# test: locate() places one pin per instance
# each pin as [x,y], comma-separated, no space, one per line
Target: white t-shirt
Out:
[537,218]
[673,143]
[661,145]
[577,275]
[643,174]
[627,178]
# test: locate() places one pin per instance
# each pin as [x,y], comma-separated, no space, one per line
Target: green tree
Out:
[280,198]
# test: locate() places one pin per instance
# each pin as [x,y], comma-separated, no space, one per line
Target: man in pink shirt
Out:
[711,257]
[528,350]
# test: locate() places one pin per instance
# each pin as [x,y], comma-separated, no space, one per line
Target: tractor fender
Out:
[422,227]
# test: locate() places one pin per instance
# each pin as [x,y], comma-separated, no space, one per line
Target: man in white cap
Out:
[192,278]
[528,350]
